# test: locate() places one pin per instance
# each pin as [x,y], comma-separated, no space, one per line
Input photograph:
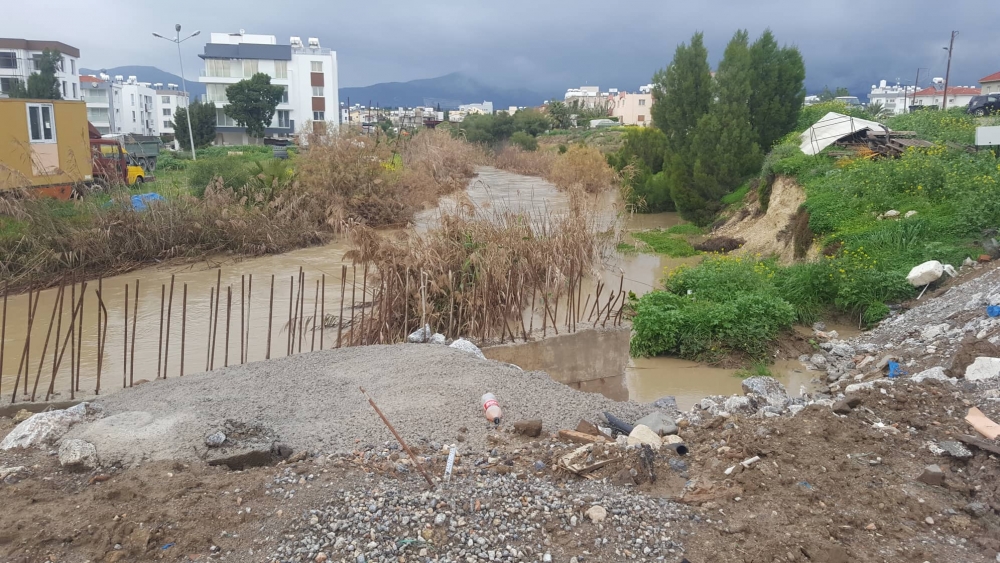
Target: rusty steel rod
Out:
[243,305]
[72,343]
[3,330]
[229,314]
[312,345]
[354,299]
[215,319]
[409,452]
[68,340]
[364,299]
[302,304]
[45,347]
[291,305]
[270,317]
[79,336]
[135,319]
[101,336]
[184,311]
[125,342]
[322,311]
[159,348]
[343,288]
[170,305]
[208,344]
[246,355]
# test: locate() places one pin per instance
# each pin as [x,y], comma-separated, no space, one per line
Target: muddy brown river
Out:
[642,379]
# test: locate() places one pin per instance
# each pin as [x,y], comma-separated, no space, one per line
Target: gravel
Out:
[484,518]
[312,402]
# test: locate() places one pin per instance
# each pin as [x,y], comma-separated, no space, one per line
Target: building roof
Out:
[247,51]
[952,91]
[995,77]
[33,45]
[88,78]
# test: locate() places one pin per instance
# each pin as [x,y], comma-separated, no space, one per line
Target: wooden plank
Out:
[579,437]
[979,443]
[587,427]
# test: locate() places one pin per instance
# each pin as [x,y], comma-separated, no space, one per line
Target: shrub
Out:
[582,167]
[664,243]
[234,173]
[515,159]
[524,141]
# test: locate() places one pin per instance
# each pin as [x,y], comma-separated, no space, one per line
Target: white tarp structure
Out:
[833,127]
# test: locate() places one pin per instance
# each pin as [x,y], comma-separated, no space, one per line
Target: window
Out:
[165,99]
[318,91]
[216,93]
[168,125]
[7,84]
[72,66]
[318,116]
[281,69]
[317,66]
[133,117]
[97,114]
[249,68]
[217,67]
[641,118]
[284,96]
[223,120]
[8,59]
[133,99]
[41,126]
[166,112]
[65,93]
[74,91]
[284,121]
[642,102]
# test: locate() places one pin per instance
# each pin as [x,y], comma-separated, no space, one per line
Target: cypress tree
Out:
[777,93]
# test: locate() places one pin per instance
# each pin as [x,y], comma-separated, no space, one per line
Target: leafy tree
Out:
[876,111]
[42,84]
[826,95]
[841,92]
[524,140]
[645,150]
[776,94]
[560,114]
[682,93]
[252,103]
[531,121]
[486,129]
[202,125]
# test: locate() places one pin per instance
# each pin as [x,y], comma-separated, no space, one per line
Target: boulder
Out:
[669,402]
[530,428]
[438,338]
[77,454]
[466,346]
[420,335]
[846,405]
[936,372]
[932,475]
[983,369]
[842,350]
[818,360]
[215,439]
[768,387]
[738,404]
[795,409]
[910,213]
[596,513]
[891,214]
[643,434]
[659,423]
[43,428]
[925,273]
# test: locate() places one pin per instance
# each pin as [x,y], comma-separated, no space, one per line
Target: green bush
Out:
[524,140]
[685,229]
[235,173]
[736,197]
[664,243]
[953,125]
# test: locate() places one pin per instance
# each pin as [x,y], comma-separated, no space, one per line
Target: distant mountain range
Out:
[152,75]
[449,90]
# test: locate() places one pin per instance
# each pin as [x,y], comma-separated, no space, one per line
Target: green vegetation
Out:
[736,197]
[640,163]
[202,125]
[664,242]
[686,229]
[955,194]
[43,84]
[756,369]
[626,248]
[524,141]
[252,103]
[498,128]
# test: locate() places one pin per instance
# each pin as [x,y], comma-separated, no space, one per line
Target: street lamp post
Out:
[178,41]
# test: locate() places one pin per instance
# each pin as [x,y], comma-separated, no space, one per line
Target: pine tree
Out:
[777,92]
[682,93]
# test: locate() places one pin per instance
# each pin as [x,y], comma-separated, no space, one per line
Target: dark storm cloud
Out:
[543,44]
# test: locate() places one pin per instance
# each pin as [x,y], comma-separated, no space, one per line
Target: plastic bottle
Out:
[491,408]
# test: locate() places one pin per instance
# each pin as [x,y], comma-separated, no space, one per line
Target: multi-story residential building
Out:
[485,108]
[308,72]
[167,101]
[120,106]
[18,61]
[958,96]
[894,99]
[990,84]
[584,96]
[631,109]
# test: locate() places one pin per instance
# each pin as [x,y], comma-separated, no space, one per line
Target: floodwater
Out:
[493,189]
[598,362]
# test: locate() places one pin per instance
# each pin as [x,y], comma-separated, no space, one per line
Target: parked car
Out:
[984,105]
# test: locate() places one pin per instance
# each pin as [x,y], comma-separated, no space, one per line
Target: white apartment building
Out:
[958,96]
[167,101]
[631,109]
[18,61]
[308,72]
[120,106]
[584,96]
[485,108]
[894,99]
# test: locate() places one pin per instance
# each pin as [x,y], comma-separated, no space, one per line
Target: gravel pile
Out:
[485,518]
[312,402]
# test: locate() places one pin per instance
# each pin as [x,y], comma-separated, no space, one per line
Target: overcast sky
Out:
[546,45]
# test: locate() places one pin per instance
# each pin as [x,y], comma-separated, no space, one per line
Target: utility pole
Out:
[947,73]
[915,88]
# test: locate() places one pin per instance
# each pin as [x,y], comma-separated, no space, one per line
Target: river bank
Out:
[848,480]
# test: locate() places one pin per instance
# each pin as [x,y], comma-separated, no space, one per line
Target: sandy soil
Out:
[763,231]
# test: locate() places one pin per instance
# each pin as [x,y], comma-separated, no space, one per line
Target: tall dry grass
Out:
[474,275]
[583,167]
[530,163]
[339,181]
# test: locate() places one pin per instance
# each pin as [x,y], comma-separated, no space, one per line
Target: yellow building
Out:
[44,144]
